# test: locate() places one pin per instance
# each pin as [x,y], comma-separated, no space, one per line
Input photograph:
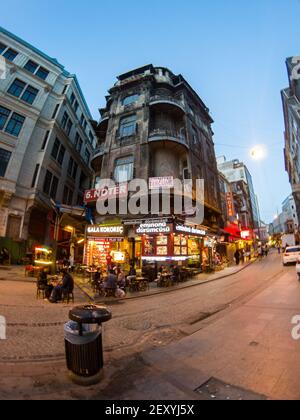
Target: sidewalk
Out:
[85,287]
[246,353]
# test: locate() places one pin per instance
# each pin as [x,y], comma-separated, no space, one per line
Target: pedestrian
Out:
[237,257]
[243,256]
[279,249]
[266,250]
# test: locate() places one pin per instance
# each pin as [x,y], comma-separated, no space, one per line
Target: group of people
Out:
[55,293]
[263,251]
[242,256]
[116,281]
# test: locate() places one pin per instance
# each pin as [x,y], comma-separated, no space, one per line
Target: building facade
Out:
[46,141]
[155,127]
[291,110]
[241,182]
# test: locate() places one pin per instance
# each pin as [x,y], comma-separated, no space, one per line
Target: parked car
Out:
[291,255]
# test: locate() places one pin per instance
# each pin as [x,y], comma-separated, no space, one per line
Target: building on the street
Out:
[238,175]
[46,144]
[287,221]
[155,127]
[291,109]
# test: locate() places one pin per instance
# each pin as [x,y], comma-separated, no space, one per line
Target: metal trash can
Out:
[83,343]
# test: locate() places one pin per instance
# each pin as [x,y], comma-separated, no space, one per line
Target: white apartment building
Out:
[46,140]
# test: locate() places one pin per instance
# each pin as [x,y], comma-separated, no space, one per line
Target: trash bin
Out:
[83,343]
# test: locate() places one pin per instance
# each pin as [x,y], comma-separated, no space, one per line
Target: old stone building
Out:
[155,126]
[46,142]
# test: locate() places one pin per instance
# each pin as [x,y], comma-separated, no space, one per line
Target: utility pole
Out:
[58,219]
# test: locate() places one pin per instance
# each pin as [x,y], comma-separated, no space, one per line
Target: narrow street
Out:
[195,327]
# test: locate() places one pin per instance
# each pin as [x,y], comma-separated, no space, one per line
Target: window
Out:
[87,156]
[64,120]
[72,168]
[81,119]
[4,160]
[34,68]
[54,186]
[124,169]
[2,47]
[13,227]
[45,140]
[29,95]
[17,88]
[42,73]
[76,105]
[129,100]
[58,151]
[50,185]
[55,112]
[78,143]
[68,196]
[72,99]
[61,155]
[36,171]
[195,135]
[128,126]
[15,125]
[31,66]
[10,54]
[69,127]
[91,137]
[47,182]
[64,90]
[4,114]
[55,149]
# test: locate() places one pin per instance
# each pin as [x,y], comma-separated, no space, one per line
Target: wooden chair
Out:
[68,297]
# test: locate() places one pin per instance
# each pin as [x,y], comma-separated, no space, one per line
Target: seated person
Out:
[67,286]
[132,275]
[111,282]
[122,280]
[42,284]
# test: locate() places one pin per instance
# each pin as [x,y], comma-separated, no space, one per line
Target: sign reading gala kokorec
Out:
[167,196]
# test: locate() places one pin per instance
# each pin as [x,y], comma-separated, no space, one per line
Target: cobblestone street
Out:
[139,327]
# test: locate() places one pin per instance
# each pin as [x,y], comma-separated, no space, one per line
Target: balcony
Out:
[96,161]
[168,101]
[164,135]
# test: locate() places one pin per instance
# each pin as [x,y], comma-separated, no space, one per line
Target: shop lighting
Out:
[43,262]
[46,251]
[80,241]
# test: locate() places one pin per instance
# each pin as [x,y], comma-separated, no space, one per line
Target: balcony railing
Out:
[157,134]
[167,99]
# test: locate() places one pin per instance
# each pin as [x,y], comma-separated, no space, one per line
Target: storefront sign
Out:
[92,196]
[230,205]
[154,228]
[190,230]
[105,231]
[245,234]
[163,182]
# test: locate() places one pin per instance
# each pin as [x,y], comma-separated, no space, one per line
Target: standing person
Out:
[237,257]
[266,250]
[243,255]
[279,249]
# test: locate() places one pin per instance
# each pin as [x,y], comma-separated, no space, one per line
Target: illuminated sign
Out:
[190,230]
[245,234]
[105,231]
[230,205]
[162,182]
[147,228]
[107,193]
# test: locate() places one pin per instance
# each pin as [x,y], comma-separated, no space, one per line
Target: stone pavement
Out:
[251,348]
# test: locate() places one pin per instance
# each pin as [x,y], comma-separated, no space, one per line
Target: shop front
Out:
[106,246]
[170,243]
